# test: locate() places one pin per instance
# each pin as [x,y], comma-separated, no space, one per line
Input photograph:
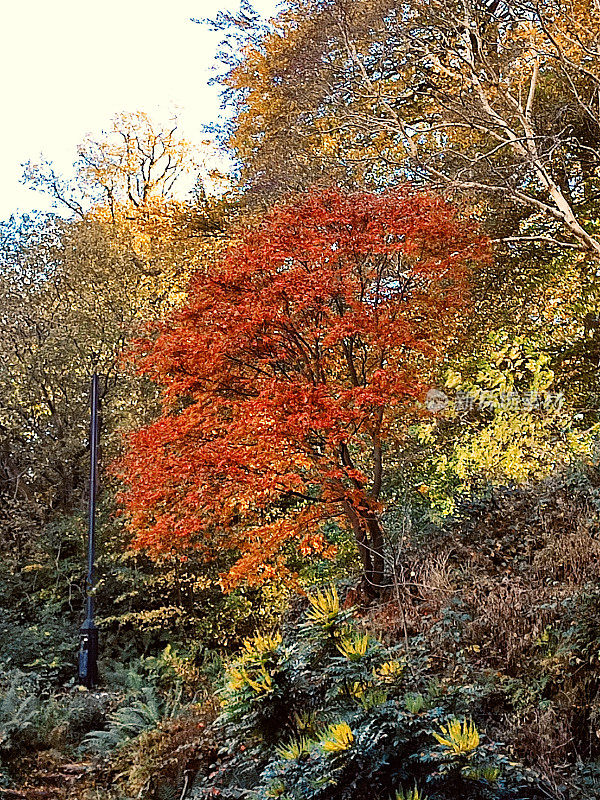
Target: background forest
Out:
[348,529]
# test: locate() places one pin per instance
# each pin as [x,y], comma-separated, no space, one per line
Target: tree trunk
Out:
[377,577]
[360,535]
[368,533]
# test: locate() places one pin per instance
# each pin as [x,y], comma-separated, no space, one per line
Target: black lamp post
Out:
[88,633]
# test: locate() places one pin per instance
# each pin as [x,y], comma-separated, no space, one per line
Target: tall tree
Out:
[132,161]
[143,178]
[72,295]
[496,99]
[285,373]
[74,292]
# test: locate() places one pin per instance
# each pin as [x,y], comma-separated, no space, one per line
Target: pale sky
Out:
[69,65]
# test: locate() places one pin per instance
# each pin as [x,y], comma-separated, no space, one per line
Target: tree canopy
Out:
[285,373]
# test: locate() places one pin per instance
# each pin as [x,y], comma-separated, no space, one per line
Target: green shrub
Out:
[19,710]
[327,711]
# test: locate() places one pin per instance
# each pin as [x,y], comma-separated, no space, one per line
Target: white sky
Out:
[69,65]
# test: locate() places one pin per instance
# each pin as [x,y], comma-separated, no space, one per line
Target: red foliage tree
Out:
[285,373]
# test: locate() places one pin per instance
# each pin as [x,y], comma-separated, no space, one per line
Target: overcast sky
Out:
[69,65]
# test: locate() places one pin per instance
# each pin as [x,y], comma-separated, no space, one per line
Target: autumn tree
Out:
[276,78]
[495,98]
[285,375]
[491,99]
[72,296]
[76,287]
[132,161]
[75,290]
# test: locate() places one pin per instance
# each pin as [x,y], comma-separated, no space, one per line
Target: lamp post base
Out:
[88,654]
